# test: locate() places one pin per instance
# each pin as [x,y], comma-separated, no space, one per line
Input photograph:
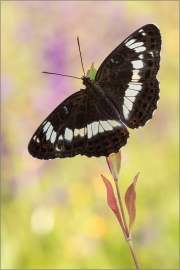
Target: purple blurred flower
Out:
[54,59]
[54,52]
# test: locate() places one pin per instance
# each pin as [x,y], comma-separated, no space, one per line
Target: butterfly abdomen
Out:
[106,106]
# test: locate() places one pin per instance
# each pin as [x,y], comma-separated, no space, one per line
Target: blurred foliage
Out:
[54,213]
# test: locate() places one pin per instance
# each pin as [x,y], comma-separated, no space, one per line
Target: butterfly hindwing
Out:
[106,134]
[79,125]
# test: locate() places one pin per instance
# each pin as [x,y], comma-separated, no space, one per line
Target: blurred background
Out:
[54,213]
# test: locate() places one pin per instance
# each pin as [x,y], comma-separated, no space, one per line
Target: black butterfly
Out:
[92,122]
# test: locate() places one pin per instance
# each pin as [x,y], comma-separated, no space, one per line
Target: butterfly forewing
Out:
[48,141]
[128,75]
[92,122]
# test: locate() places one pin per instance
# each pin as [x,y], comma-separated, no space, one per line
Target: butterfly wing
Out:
[128,76]
[85,125]
[79,125]
[49,141]
[106,134]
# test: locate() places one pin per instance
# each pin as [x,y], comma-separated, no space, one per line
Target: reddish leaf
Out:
[130,199]
[111,199]
[114,163]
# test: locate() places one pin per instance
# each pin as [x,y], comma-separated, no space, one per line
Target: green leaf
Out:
[92,72]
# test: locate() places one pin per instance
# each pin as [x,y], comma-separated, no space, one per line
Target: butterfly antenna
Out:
[80,55]
[61,75]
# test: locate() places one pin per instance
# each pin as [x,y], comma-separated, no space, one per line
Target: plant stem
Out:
[133,253]
[128,236]
[121,207]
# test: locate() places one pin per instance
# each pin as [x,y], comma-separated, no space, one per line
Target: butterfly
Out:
[94,120]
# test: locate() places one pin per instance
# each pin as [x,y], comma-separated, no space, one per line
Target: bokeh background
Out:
[54,213]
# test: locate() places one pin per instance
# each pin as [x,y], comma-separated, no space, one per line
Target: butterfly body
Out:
[93,121]
[99,96]
[93,87]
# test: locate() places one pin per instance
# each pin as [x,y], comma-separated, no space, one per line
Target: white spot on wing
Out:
[46,126]
[128,104]
[95,127]
[82,132]
[125,112]
[140,49]
[114,123]
[48,133]
[102,126]
[68,134]
[106,125]
[137,44]
[66,109]
[38,140]
[60,138]
[132,98]
[101,130]
[76,132]
[135,86]
[135,76]
[130,42]
[89,131]
[141,56]
[34,138]
[131,93]
[137,64]
[53,136]
[112,60]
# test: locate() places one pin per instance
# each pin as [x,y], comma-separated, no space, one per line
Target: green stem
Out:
[133,253]
[122,210]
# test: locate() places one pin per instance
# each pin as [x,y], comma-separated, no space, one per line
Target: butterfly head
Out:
[86,81]
[93,87]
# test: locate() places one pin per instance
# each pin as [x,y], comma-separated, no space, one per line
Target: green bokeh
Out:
[54,213]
